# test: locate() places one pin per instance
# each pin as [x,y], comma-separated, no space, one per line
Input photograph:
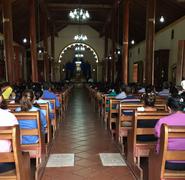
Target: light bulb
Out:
[162,19]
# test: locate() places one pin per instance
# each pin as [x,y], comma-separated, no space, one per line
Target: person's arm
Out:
[158,128]
[43,121]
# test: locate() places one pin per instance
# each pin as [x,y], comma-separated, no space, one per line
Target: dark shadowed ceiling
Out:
[100,11]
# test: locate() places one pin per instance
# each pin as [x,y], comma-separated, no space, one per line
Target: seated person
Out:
[182,86]
[165,91]
[149,102]
[3,103]
[27,104]
[122,93]
[7,119]
[39,100]
[48,94]
[6,90]
[129,96]
[176,118]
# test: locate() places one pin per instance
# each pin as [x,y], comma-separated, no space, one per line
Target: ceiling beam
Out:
[66,7]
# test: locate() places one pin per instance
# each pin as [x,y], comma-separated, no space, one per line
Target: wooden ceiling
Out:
[100,12]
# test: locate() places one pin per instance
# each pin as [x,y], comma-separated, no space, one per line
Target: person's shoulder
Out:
[168,117]
[7,114]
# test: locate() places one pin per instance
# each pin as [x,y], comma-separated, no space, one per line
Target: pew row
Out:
[157,161]
[22,161]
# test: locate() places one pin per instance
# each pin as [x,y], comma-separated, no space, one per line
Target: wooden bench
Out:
[54,112]
[137,148]
[157,162]
[121,128]
[36,150]
[113,115]
[60,109]
[45,107]
[106,104]
[22,161]
[12,107]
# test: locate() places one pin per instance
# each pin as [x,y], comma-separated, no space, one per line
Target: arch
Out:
[78,44]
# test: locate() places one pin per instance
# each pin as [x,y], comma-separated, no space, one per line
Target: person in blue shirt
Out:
[27,104]
[48,94]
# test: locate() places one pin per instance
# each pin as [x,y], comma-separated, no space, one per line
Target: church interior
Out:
[92,89]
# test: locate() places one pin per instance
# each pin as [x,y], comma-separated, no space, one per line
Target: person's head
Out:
[3,103]
[27,100]
[165,85]
[177,103]
[38,94]
[4,85]
[149,99]
[149,89]
[47,86]
[128,90]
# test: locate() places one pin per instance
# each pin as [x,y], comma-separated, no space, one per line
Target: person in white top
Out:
[6,119]
[182,86]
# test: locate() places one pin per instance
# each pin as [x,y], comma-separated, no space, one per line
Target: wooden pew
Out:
[157,169]
[45,107]
[137,148]
[113,115]
[54,119]
[106,104]
[22,161]
[121,128]
[37,150]
[12,107]
[60,109]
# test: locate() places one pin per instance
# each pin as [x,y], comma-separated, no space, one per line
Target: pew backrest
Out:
[22,161]
[171,132]
[36,150]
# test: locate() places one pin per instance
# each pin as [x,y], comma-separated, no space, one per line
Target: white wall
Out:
[162,41]
[65,37]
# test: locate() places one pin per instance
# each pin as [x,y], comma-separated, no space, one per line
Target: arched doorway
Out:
[78,63]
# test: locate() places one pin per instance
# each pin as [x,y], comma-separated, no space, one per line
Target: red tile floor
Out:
[83,134]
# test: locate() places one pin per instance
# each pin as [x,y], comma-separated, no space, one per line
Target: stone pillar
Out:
[125,41]
[45,40]
[150,35]
[113,34]
[53,52]
[8,39]
[33,47]
[105,59]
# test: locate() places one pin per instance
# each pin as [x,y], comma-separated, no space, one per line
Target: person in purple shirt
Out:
[176,118]
[48,94]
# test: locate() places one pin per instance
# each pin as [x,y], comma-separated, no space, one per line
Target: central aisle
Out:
[83,134]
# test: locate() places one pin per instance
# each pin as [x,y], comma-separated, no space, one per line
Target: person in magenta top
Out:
[176,118]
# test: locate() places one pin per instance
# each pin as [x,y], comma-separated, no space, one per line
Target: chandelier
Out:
[80,48]
[80,37]
[79,14]
[79,55]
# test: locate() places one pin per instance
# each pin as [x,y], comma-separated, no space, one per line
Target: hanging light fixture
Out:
[80,48]
[162,19]
[79,55]
[80,37]
[79,15]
